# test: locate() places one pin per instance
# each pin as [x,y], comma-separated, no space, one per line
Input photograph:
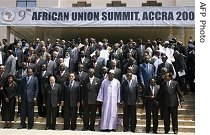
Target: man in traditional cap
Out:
[109,95]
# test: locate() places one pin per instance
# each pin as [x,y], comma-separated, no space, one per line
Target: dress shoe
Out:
[125,130]
[47,128]
[9,125]
[92,129]
[53,128]
[21,127]
[175,132]
[147,131]
[133,131]
[5,125]
[29,128]
[166,132]
[155,132]
[84,129]
[65,129]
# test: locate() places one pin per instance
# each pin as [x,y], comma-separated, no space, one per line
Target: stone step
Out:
[185,110]
[139,128]
[140,121]
[180,117]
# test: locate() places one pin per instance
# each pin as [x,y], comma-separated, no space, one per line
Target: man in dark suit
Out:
[140,48]
[81,76]
[3,77]
[61,76]
[38,62]
[169,94]
[28,91]
[90,90]
[83,60]
[180,67]
[19,56]
[97,66]
[51,100]
[151,105]
[70,99]
[43,79]
[166,64]
[129,98]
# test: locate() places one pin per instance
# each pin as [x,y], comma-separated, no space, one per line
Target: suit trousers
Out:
[70,114]
[27,109]
[129,117]
[173,112]
[51,117]
[152,112]
[89,114]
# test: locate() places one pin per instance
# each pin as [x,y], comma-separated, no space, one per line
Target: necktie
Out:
[153,90]
[27,80]
[43,73]
[94,65]
[91,80]
[52,87]
[168,84]
[71,83]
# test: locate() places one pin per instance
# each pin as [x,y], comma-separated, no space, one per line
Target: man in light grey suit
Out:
[10,64]
[51,65]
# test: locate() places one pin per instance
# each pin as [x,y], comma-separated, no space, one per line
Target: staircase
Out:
[186,119]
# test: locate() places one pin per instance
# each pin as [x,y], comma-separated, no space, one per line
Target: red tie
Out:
[94,65]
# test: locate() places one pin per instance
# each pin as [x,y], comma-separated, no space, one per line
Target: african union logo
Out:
[8,15]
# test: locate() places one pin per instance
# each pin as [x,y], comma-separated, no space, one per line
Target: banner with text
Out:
[98,17]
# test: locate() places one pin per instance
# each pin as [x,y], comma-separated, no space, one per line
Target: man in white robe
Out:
[109,95]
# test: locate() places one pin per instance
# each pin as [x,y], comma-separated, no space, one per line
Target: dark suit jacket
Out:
[29,91]
[72,65]
[179,64]
[108,64]
[3,79]
[61,79]
[151,102]
[51,97]
[169,95]
[43,80]
[97,68]
[129,95]
[85,64]
[20,57]
[39,65]
[90,91]
[81,78]
[71,95]
[169,67]
[19,75]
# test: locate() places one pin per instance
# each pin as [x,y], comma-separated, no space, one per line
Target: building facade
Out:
[31,33]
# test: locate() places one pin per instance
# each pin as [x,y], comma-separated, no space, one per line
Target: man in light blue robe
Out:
[109,95]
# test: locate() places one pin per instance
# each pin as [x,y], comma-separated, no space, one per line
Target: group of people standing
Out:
[92,76]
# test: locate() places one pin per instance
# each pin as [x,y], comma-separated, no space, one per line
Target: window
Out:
[116,4]
[152,3]
[26,3]
[81,4]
